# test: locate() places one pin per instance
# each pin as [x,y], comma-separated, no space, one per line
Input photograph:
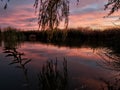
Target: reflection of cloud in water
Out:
[81,61]
[85,53]
[82,66]
[42,50]
[49,50]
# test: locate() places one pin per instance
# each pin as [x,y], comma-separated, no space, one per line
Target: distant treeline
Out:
[71,37]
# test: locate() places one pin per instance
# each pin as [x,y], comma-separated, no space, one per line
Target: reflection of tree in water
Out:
[111,61]
[18,60]
[50,77]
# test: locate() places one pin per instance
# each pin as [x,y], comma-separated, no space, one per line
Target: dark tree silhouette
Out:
[5,6]
[52,12]
[114,4]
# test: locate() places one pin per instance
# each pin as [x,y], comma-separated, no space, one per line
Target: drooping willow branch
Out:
[51,13]
[114,6]
[6,4]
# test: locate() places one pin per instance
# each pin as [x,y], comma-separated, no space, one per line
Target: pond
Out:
[87,68]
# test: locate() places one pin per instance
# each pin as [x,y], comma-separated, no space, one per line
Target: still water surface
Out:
[85,66]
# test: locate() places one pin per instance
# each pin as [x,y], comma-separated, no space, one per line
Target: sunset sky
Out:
[89,13]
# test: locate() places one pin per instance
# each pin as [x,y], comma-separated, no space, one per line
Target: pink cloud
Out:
[20,17]
[94,20]
[87,14]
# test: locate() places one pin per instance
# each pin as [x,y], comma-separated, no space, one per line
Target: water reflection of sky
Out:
[80,59]
[82,62]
